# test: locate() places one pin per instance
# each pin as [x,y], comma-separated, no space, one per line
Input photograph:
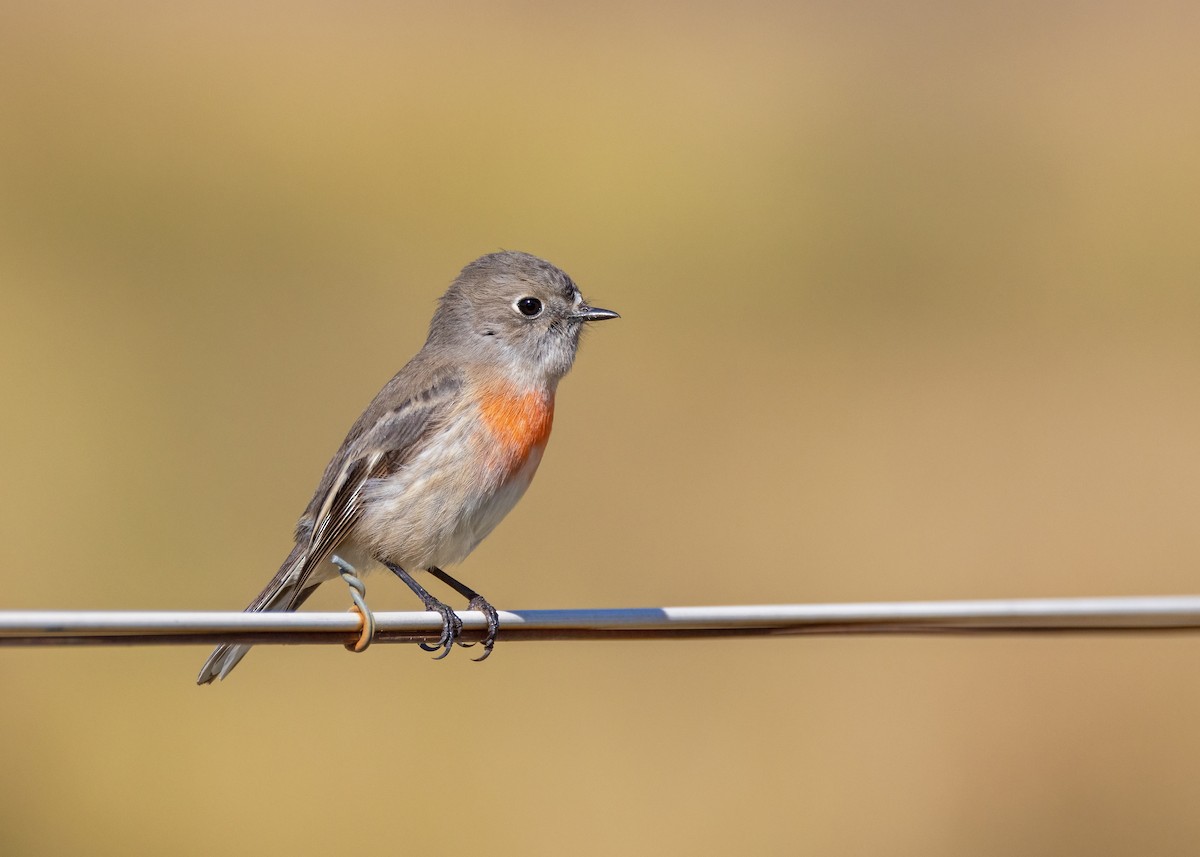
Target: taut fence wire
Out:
[1013,616]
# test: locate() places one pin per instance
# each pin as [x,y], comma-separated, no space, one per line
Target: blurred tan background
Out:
[910,311]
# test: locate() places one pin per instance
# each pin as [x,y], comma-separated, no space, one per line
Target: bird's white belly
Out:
[436,509]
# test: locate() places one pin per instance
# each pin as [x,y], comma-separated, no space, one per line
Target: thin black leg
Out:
[451,624]
[476,602]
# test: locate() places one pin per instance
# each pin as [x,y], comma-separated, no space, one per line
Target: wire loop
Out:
[358,593]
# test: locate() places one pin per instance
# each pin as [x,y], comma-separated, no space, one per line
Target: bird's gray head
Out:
[517,308]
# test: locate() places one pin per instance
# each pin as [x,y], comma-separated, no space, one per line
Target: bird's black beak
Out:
[591,313]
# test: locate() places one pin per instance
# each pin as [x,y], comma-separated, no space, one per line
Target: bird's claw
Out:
[451,628]
[493,624]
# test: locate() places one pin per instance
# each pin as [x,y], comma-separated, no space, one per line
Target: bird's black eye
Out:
[529,307]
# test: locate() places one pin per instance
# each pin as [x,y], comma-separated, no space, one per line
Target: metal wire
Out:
[1023,616]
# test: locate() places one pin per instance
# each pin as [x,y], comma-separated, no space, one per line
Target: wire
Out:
[1020,616]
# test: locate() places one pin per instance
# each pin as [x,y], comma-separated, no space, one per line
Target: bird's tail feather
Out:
[283,593]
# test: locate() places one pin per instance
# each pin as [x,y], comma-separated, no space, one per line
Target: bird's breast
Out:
[439,506]
[517,422]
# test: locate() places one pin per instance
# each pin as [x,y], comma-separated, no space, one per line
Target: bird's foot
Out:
[493,625]
[451,627]
[475,602]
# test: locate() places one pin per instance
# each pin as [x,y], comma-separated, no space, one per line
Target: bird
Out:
[443,452]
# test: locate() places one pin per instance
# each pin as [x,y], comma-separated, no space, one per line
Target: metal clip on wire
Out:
[358,591]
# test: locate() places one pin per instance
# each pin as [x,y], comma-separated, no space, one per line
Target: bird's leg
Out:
[358,592]
[451,624]
[475,602]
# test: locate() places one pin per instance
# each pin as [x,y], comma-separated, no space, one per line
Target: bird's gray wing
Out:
[386,436]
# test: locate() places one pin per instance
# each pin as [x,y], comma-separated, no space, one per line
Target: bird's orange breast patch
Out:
[519,421]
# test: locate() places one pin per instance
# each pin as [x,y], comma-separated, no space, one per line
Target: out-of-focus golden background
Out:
[910,311]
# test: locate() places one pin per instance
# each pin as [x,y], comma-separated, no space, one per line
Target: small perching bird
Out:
[445,449]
